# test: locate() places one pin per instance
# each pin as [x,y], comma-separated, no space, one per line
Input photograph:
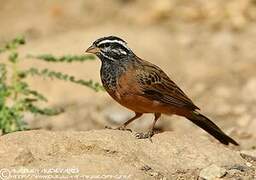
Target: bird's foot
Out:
[142,135]
[122,128]
[108,127]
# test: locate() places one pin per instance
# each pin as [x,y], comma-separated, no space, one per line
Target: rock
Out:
[248,164]
[112,152]
[249,154]
[237,170]
[239,167]
[233,172]
[212,172]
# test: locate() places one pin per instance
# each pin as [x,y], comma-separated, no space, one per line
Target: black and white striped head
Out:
[110,48]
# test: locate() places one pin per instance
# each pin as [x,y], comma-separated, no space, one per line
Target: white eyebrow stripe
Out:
[119,50]
[110,58]
[111,41]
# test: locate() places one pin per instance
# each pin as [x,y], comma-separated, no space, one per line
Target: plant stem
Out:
[14,77]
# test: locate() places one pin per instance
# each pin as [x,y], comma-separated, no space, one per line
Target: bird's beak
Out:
[93,49]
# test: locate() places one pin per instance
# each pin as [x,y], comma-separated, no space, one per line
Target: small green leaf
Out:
[19,40]
[13,57]
[65,58]
[44,111]
[38,95]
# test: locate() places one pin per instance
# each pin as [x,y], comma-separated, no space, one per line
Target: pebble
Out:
[248,164]
[232,172]
[212,172]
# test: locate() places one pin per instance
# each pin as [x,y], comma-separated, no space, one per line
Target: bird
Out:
[145,88]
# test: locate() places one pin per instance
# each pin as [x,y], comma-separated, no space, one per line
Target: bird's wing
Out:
[156,85]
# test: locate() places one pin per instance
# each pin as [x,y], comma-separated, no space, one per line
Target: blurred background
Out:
[206,47]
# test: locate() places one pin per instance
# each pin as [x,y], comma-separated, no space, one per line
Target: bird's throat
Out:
[110,72]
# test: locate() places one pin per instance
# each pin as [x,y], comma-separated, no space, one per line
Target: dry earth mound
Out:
[116,153]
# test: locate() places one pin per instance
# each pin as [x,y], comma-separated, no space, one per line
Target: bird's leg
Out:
[150,133]
[123,126]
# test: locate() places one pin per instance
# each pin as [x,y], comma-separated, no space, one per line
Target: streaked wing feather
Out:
[156,85]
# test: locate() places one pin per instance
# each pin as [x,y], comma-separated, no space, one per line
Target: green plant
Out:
[16,96]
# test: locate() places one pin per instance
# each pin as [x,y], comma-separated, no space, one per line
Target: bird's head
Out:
[110,48]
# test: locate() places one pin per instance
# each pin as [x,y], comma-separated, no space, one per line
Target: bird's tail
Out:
[206,124]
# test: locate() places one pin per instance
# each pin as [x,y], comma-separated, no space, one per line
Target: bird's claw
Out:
[122,128]
[108,127]
[141,135]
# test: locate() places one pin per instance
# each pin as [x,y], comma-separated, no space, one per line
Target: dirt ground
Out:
[206,47]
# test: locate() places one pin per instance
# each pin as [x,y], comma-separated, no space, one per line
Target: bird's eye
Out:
[107,44]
